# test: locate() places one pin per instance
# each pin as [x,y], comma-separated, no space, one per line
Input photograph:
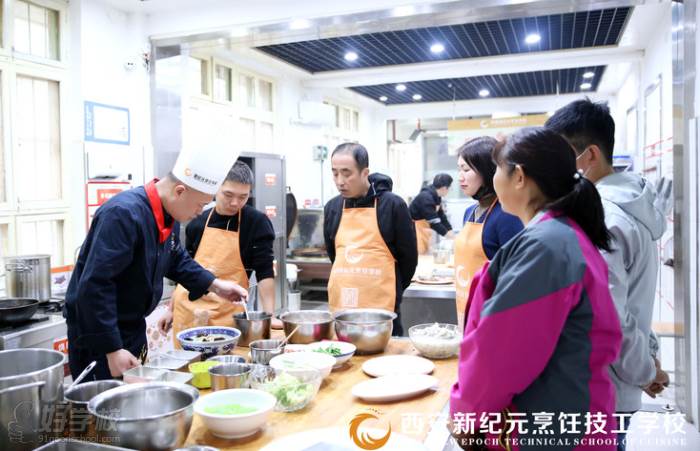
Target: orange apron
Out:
[469,258]
[363,274]
[423,235]
[219,251]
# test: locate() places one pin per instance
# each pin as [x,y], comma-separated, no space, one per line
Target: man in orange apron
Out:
[426,210]
[231,240]
[370,237]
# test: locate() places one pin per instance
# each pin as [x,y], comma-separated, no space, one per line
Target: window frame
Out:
[8,17]
[219,62]
[51,216]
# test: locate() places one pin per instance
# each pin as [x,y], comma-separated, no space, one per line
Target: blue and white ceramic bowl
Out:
[212,348]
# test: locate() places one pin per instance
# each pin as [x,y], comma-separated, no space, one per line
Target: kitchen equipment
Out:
[235,425]
[230,375]
[180,354]
[29,380]
[314,325]
[291,210]
[293,361]
[188,340]
[262,351]
[368,329]
[255,327]
[77,397]
[293,390]
[82,375]
[17,310]
[397,364]
[150,416]
[226,359]
[166,362]
[177,376]
[28,276]
[436,340]
[141,374]
[394,387]
[39,331]
[344,349]
[66,444]
[200,373]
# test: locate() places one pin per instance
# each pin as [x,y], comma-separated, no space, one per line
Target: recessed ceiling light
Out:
[351,56]
[417,96]
[400,87]
[533,38]
[484,93]
[586,85]
[383,98]
[437,48]
[588,74]
[300,24]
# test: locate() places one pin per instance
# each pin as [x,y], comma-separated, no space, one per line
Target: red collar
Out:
[157,210]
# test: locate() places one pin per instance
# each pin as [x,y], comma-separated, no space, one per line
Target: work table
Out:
[334,406]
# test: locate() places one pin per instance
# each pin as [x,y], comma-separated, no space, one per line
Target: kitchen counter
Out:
[423,303]
[334,406]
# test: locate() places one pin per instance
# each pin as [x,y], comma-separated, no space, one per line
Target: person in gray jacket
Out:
[634,214]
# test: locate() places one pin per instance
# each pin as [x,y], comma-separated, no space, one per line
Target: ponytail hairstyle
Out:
[550,161]
[477,153]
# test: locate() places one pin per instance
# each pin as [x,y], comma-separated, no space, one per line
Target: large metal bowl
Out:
[150,416]
[254,326]
[368,329]
[314,325]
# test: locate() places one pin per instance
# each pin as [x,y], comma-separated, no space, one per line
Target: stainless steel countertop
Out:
[417,290]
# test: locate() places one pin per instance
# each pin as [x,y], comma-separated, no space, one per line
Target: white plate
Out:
[338,439]
[394,388]
[397,364]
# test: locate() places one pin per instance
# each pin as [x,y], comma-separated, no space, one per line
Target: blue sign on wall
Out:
[107,124]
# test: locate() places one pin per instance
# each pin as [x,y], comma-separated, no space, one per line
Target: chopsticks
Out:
[143,354]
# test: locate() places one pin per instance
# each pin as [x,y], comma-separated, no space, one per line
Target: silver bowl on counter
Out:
[256,326]
[229,358]
[230,375]
[262,351]
[314,325]
[150,416]
[368,329]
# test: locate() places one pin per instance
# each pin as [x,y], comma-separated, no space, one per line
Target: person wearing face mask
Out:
[428,214]
[635,214]
[486,226]
[369,235]
[234,239]
[542,329]
[132,244]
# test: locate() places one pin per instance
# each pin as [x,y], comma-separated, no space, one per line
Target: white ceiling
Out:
[154,6]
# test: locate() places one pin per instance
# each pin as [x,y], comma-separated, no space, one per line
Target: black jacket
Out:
[428,205]
[256,238]
[395,226]
[118,278]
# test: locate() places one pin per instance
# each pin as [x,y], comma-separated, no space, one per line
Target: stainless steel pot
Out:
[256,326]
[31,388]
[151,416]
[77,397]
[28,276]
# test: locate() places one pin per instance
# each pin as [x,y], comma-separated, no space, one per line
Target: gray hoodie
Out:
[635,224]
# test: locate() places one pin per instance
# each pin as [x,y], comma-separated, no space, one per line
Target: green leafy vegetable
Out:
[330,350]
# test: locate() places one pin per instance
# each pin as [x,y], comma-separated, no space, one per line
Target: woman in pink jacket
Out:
[542,330]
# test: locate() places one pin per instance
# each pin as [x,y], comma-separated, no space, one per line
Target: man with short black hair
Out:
[132,244]
[369,237]
[428,214]
[635,215]
[232,240]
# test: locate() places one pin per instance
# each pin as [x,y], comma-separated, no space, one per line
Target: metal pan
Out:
[16,310]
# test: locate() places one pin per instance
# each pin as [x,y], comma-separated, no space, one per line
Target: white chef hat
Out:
[204,169]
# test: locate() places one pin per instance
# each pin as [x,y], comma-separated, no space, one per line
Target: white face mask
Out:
[582,154]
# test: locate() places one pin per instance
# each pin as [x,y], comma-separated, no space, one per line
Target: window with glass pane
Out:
[4,244]
[247,134]
[346,119]
[265,137]
[356,121]
[37,155]
[36,30]
[223,83]
[198,76]
[337,116]
[42,236]
[3,195]
[265,90]
[246,84]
